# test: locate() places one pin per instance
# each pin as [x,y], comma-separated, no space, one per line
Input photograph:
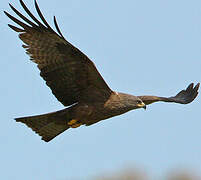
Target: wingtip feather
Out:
[197,86]
[190,86]
[15,28]
[57,27]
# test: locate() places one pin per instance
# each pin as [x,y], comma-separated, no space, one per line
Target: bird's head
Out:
[140,104]
[131,102]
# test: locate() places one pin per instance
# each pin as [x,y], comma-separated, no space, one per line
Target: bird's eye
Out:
[139,102]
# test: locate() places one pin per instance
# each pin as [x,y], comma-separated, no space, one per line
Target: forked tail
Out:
[48,125]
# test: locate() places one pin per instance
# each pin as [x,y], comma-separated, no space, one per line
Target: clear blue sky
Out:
[140,47]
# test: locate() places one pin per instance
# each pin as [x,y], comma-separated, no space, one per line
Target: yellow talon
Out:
[72,122]
[76,125]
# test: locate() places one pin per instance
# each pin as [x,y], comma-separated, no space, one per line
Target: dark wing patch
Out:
[67,71]
[187,95]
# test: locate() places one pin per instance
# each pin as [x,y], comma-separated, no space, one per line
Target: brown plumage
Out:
[74,80]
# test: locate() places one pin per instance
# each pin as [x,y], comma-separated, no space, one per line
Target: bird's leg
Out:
[74,123]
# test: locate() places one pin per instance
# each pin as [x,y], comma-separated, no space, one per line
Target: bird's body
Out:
[92,112]
[86,113]
[75,81]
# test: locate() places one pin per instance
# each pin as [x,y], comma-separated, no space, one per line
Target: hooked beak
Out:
[142,105]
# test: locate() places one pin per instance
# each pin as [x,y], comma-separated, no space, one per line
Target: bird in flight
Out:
[74,80]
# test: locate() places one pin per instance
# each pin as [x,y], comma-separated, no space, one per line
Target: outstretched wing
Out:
[69,73]
[183,97]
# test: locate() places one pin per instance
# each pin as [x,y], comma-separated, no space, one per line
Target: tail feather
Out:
[48,126]
[51,131]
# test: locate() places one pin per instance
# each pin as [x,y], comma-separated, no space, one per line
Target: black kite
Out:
[74,80]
